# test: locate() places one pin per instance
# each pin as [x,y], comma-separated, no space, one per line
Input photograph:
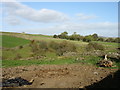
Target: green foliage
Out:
[95,36]
[43,45]
[100,39]
[20,47]
[55,36]
[75,36]
[88,38]
[39,48]
[109,40]
[62,47]
[51,48]
[95,46]
[10,41]
[64,35]
[65,47]
[117,40]
[54,45]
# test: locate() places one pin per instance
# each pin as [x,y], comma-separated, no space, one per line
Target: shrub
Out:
[100,39]
[43,45]
[55,36]
[34,46]
[110,40]
[65,47]
[53,45]
[62,47]
[20,47]
[38,48]
[88,38]
[94,46]
[117,40]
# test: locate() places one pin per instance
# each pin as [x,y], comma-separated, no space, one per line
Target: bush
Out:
[88,38]
[117,40]
[34,46]
[110,40]
[55,36]
[65,47]
[38,48]
[94,46]
[62,47]
[100,39]
[20,47]
[53,45]
[43,45]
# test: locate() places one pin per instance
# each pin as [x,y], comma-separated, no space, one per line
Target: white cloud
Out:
[16,12]
[82,16]
[102,29]
[17,9]
[13,20]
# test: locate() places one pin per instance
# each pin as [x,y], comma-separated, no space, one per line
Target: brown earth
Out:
[58,76]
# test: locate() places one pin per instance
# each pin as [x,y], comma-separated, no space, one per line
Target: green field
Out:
[89,60]
[10,41]
[11,56]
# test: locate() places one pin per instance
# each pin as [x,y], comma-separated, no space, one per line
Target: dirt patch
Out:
[58,76]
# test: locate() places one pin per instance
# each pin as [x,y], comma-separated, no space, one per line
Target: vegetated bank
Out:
[48,50]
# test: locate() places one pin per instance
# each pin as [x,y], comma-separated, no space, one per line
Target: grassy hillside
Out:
[10,41]
[18,56]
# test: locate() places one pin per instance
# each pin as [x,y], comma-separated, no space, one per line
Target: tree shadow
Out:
[111,81]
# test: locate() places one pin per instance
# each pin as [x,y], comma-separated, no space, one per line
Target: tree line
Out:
[87,38]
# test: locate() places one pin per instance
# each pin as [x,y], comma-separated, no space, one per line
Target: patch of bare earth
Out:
[58,76]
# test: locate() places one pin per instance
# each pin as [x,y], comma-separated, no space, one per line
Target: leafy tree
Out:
[64,35]
[100,39]
[110,40]
[95,36]
[88,38]
[55,36]
[75,36]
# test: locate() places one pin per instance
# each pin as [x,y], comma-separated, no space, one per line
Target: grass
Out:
[11,54]
[13,63]
[110,46]
[10,41]
[51,57]
[57,61]
[40,35]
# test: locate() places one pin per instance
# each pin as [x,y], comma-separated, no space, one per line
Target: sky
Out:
[51,18]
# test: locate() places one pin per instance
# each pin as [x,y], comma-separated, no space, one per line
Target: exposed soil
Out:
[58,76]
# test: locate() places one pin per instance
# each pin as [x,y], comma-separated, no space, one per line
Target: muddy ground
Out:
[58,76]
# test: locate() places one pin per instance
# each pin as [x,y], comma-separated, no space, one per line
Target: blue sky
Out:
[55,17]
[106,10]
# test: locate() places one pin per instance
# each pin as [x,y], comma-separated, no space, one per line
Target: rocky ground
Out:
[58,76]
